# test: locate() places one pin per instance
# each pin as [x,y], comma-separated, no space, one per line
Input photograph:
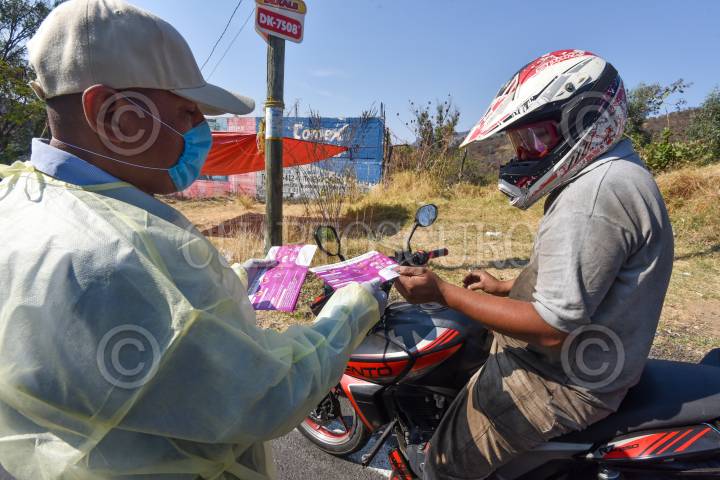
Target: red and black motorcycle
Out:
[409,369]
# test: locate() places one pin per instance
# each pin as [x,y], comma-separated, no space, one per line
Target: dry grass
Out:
[693,199]
[691,316]
[245,201]
[481,230]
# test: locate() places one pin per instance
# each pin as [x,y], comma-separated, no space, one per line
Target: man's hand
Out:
[510,317]
[419,285]
[482,280]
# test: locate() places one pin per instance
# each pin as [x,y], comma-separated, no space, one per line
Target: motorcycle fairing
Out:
[410,342]
[362,396]
[662,445]
[652,452]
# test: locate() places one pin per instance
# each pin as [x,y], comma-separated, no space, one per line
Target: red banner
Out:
[235,153]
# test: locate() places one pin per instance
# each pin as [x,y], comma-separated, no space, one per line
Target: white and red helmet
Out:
[560,111]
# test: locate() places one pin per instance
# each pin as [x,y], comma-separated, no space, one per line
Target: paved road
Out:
[297,459]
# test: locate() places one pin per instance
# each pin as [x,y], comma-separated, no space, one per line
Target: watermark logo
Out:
[595,112]
[593,356]
[196,250]
[140,106]
[128,356]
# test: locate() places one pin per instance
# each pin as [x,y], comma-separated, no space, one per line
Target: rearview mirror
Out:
[327,240]
[426,215]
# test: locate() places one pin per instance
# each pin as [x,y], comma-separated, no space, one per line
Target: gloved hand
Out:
[254,266]
[375,288]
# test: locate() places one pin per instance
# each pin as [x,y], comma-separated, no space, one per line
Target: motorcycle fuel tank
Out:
[411,341]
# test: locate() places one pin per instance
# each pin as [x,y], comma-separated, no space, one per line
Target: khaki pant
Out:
[504,410]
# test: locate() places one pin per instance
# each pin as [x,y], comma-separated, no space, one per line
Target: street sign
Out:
[280,18]
[296,6]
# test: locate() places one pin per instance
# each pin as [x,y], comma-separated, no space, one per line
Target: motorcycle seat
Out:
[669,394]
[712,358]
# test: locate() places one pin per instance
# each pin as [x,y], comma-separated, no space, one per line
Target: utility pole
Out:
[276,22]
[274,107]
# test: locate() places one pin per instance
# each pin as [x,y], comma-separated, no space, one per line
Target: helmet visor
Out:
[535,140]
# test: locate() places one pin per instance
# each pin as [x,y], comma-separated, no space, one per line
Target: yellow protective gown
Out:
[128,347]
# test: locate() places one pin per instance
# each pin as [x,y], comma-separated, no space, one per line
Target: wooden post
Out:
[462,164]
[273,142]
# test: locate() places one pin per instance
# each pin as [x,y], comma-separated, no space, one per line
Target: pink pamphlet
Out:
[371,266]
[278,288]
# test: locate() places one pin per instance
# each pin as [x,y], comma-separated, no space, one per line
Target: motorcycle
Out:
[408,370]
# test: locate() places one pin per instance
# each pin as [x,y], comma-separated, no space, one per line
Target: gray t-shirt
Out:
[602,261]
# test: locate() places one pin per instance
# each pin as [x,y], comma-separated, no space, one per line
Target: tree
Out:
[646,101]
[22,115]
[705,125]
[434,131]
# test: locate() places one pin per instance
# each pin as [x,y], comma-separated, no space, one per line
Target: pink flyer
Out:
[278,288]
[365,268]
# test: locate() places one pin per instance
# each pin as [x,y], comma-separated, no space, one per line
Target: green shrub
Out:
[664,154]
[705,125]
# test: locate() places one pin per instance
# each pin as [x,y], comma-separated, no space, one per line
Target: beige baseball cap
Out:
[88,42]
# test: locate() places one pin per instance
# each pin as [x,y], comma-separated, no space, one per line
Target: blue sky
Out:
[358,53]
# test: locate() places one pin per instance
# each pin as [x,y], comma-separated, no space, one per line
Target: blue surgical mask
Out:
[197,143]
[197,146]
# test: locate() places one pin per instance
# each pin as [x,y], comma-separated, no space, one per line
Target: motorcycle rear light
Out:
[400,469]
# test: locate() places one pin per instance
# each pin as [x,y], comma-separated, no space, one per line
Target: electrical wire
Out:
[217,42]
[231,43]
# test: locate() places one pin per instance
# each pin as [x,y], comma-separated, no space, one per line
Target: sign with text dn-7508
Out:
[281,18]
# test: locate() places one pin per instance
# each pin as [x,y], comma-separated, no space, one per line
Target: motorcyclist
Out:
[573,331]
[128,345]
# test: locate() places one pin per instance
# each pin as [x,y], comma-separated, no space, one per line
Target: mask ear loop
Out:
[151,115]
[111,158]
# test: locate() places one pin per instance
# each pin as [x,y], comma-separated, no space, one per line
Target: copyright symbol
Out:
[592,356]
[149,109]
[596,111]
[128,356]
[198,253]
[575,119]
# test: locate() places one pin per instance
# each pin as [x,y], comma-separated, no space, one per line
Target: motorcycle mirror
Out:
[426,215]
[327,240]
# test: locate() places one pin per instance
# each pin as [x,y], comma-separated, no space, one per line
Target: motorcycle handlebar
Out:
[440,252]
[420,257]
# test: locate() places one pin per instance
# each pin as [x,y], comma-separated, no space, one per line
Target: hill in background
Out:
[677,122]
[488,155]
